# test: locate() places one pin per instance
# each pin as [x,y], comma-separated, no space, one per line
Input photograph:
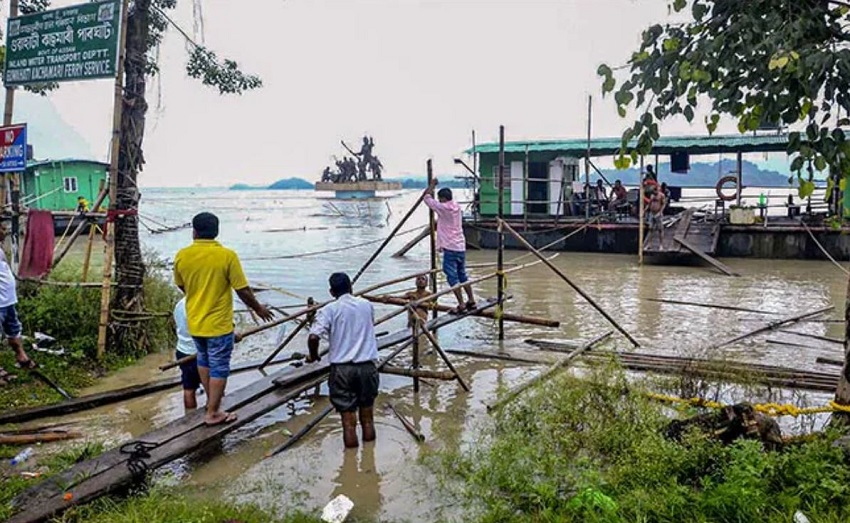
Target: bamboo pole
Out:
[416,370]
[115,152]
[436,345]
[771,326]
[569,282]
[587,159]
[837,341]
[388,238]
[529,320]
[500,259]
[74,235]
[40,437]
[418,373]
[432,238]
[285,342]
[641,217]
[710,306]
[90,244]
[548,373]
[412,243]
[406,424]
[301,433]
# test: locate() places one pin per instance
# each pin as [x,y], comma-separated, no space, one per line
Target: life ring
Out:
[721,185]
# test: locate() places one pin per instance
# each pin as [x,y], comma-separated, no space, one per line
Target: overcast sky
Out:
[416,75]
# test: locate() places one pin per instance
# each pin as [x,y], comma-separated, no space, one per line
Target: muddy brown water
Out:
[391,479]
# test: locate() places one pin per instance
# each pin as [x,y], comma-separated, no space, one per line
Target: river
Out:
[272,230]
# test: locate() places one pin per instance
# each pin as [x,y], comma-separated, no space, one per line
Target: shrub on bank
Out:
[593,450]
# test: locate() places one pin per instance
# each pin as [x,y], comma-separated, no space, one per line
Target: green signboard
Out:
[74,43]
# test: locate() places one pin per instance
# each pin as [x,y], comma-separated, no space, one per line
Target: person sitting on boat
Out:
[451,241]
[82,204]
[348,325]
[578,201]
[600,194]
[619,196]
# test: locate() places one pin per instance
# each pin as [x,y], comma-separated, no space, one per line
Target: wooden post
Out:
[8,113]
[115,151]
[740,181]
[432,238]
[525,198]
[92,230]
[428,334]
[500,255]
[640,213]
[415,332]
[587,160]
[570,283]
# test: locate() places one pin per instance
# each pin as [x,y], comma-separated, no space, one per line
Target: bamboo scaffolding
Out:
[517,318]
[548,373]
[406,424]
[74,235]
[570,283]
[431,297]
[771,326]
[301,432]
[709,306]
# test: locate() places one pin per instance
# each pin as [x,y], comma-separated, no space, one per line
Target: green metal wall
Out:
[43,184]
[489,192]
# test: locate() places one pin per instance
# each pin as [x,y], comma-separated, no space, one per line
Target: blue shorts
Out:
[454,265]
[189,376]
[214,354]
[9,322]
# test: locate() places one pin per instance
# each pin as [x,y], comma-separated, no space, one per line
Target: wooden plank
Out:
[106,398]
[709,259]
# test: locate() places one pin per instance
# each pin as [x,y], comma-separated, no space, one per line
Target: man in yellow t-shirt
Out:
[207,273]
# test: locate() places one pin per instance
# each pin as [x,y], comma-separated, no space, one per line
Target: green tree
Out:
[761,62]
[147,22]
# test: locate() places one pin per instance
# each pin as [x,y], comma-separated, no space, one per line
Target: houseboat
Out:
[544,199]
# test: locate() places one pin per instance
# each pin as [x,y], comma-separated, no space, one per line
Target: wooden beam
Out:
[530,320]
[412,243]
[420,373]
[708,259]
[771,326]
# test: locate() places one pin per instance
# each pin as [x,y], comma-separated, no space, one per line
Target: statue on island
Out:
[349,170]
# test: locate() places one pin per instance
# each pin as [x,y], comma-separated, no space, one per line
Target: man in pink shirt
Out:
[451,242]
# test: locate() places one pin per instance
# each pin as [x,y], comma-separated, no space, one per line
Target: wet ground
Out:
[273,230]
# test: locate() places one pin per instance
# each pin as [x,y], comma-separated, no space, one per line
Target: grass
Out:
[593,450]
[71,315]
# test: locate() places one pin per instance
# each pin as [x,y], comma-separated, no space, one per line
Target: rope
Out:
[823,250]
[327,251]
[770,409]
[138,451]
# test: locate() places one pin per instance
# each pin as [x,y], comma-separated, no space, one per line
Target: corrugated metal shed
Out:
[664,145]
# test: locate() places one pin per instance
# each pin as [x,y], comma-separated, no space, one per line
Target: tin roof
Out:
[664,145]
[39,163]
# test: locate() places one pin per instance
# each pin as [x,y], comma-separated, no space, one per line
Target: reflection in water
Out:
[359,480]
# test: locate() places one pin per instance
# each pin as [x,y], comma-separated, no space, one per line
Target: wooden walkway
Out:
[118,467]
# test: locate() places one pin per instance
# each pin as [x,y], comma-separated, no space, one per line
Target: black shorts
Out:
[353,385]
[189,377]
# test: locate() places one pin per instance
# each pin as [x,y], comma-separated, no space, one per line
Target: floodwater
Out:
[273,230]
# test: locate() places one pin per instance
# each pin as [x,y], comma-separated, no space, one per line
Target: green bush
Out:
[593,450]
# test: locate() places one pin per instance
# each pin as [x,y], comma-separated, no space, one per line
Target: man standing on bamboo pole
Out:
[348,325]
[207,273]
[451,242]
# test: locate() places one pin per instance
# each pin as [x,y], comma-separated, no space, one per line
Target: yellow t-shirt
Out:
[207,271]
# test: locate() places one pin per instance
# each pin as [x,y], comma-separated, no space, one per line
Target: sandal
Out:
[457,311]
[27,364]
[470,305]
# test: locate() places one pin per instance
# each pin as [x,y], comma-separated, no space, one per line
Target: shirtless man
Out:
[420,292]
[657,202]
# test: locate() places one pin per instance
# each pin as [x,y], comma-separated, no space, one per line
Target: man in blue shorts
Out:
[9,321]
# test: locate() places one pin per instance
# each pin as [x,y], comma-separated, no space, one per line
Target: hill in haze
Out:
[302,184]
[705,175]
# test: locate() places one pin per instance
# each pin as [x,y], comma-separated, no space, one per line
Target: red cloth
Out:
[37,256]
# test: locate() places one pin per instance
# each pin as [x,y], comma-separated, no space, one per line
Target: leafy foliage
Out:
[205,66]
[593,450]
[763,62]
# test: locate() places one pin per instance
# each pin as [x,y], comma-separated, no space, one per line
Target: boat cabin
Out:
[55,185]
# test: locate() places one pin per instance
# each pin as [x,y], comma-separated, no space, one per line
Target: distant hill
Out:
[290,184]
[706,175]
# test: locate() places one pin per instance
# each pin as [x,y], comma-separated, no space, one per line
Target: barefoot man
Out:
[348,325]
[207,273]
[657,202]
[451,242]
[9,322]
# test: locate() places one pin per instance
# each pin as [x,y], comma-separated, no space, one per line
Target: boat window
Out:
[70,184]
[506,174]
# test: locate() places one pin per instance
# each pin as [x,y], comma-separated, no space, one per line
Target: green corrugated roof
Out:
[39,163]
[664,145]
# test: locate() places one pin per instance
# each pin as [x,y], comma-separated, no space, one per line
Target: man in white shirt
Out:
[348,325]
[189,376]
[9,322]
